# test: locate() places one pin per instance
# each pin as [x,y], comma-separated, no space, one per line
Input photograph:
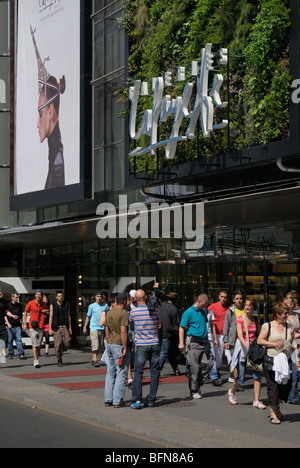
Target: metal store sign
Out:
[164,107]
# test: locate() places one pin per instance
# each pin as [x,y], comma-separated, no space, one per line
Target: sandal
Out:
[232,398]
[279,414]
[275,421]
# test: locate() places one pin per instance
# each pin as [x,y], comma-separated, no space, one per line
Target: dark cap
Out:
[99,293]
[121,298]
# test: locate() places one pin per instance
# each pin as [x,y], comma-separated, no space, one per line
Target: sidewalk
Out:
[77,391]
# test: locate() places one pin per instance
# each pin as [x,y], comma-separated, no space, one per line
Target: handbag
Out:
[250,364]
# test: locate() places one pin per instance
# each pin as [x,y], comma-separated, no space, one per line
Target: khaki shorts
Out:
[36,335]
[97,339]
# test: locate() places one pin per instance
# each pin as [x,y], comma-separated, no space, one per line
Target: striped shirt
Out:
[145,326]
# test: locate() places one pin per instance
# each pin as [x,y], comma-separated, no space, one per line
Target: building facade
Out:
[251,228]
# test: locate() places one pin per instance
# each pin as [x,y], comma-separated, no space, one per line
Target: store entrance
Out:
[266,280]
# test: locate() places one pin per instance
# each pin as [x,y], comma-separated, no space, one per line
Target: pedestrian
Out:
[247,331]
[219,310]
[14,327]
[194,322]
[229,329]
[116,330]
[4,314]
[278,337]
[60,325]
[131,304]
[36,310]
[293,319]
[96,313]
[146,323]
[46,326]
[213,341]
[170,327]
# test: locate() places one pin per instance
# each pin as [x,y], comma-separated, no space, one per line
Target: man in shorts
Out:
[36,310]
[96,312]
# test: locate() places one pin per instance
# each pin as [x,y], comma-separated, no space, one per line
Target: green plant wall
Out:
[165,34]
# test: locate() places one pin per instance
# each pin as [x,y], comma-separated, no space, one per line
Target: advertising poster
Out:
[47,108]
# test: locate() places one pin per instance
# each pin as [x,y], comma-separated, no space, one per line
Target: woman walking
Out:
[246,333]
[277,337]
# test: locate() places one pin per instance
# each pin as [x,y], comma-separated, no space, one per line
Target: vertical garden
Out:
[166,34]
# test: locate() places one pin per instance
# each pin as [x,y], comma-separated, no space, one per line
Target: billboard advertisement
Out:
[47,153]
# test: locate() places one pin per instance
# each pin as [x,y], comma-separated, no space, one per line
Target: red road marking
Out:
[55,375]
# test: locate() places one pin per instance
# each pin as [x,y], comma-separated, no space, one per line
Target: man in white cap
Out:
[133,303]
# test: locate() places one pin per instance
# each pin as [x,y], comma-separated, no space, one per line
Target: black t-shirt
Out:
[169,317]
[3,309]
[15,309]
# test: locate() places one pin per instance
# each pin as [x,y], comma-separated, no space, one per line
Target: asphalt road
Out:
[25,427]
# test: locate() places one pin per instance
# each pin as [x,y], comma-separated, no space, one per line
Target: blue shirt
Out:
[195,321]
[94,313]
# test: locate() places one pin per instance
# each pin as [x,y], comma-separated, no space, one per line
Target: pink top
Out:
[251,330]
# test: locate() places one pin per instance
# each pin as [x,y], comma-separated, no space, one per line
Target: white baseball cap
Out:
[132,293]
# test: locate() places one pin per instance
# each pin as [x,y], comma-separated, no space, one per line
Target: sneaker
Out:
[217,383]
[149,405]
[21,356]
[136,405]
[259,405]
[197,395]
[36,364]
[232,398]
[107,404]
[59,363]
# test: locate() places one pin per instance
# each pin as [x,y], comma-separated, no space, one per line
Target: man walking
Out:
[116,332]
[14,327]
[194,322]
[219,309]
[36,310]
[170,327]
[146,323]
[96,312]
[60,326]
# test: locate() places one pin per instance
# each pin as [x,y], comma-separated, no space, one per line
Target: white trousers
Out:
[220,350]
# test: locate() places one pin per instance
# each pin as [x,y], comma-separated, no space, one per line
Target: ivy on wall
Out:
[165,34]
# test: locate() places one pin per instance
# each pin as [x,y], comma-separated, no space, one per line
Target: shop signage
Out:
[296,93]
[164,107]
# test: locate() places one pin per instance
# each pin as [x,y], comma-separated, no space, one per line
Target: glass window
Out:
[4,83]
[4,137]
[4,28]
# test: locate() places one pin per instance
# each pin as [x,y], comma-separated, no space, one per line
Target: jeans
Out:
[169,348]
[116,376]
[143,353]
[214,372]
[241,368]
[15,334]
[294,393]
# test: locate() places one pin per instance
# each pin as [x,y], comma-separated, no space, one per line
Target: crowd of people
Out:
[128,330]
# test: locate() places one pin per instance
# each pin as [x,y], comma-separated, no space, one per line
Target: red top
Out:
[219,312]
[35,313]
